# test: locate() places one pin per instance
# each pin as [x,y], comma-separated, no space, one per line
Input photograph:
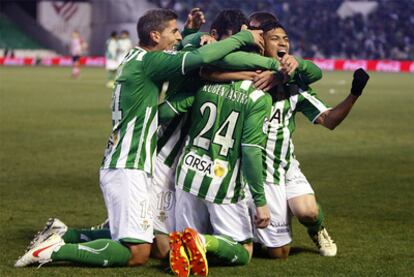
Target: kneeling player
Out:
[226,135]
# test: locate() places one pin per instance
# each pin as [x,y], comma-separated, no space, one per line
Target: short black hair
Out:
[114,34]
[153,20]
[229,20]
[263,17]
[267,20]
[125,32]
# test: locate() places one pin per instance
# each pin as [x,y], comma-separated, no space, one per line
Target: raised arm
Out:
[333,117]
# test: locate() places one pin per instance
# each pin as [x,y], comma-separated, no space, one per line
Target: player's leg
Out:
[163,207]
[191,215]
[127,198]
[303,204]
[231,243]
[277,236]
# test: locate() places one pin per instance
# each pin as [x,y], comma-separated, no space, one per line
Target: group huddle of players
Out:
[200,162]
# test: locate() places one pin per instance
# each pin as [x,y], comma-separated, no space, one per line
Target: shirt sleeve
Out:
[255,125]
[175,105]
[241,60]
[161,65]
[310,105]
[308,71]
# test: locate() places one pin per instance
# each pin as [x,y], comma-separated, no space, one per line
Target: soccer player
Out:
[111,62]
[226,135]
[124,45]
[126,172]
[77,47]
[282,168]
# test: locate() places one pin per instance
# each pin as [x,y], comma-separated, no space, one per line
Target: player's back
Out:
[210,164]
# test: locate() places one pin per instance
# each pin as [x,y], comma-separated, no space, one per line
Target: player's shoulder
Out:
[254,95]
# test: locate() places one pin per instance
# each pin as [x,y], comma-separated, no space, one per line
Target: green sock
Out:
[226,251]
[315,226]
[111,75]
[102,252]
[84,235]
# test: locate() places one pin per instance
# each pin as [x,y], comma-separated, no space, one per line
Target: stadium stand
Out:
[13,38]
[317,31]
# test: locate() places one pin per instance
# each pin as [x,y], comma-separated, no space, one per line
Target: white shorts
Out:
[232,220]
[278,233]
[163,197]
[111,64]
[296,182]
[127,198]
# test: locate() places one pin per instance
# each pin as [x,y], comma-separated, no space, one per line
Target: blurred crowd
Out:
[316,30]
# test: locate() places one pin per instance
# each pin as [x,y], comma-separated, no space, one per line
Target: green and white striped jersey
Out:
[279,146]
[224,118]
[132,142]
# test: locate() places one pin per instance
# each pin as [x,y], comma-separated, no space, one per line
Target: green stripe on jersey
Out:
[279,145]
[223,117]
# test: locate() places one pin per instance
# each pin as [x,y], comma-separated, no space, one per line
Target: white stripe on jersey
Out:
[126,144]
[141,55]
[171,106]
[108,158]
[141,139]
[165,151]
[256,95]
[183,63]
[286,138]
[314,101]
[232,184]
[245,85]
[151,133]
[182,173]
[271,142]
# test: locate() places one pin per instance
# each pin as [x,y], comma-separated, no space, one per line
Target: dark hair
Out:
[263,17]
[125,32]
[267,20]
[153,20]
[228,21]
[114,34]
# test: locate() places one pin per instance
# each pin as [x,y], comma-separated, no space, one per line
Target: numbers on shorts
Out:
[165,200]
[223,136]
[144,208]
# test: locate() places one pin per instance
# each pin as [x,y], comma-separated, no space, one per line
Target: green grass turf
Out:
[54,131]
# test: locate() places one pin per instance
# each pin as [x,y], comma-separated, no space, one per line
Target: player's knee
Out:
[308,215]
[139,254]
[279,252]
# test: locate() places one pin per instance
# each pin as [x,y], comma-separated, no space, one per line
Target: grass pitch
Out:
[54,131]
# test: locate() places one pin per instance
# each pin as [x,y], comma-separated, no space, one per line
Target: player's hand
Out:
[262,217]
[359,82]
[265,80]
[195,19]
[257,37]
[288,64]
[206,39]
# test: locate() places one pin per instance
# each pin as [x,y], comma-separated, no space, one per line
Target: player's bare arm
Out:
[333,117]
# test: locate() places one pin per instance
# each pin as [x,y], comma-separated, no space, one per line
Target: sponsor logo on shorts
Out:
[162,217]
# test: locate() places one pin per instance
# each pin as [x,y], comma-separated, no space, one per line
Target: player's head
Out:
[157,29]
[114,34]
[227,23]
[258,18]
[124,34]
[274,34]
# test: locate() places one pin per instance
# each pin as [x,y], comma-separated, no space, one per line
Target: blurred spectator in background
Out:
[124,45]
[111,55]
[77,47]
[386,33]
